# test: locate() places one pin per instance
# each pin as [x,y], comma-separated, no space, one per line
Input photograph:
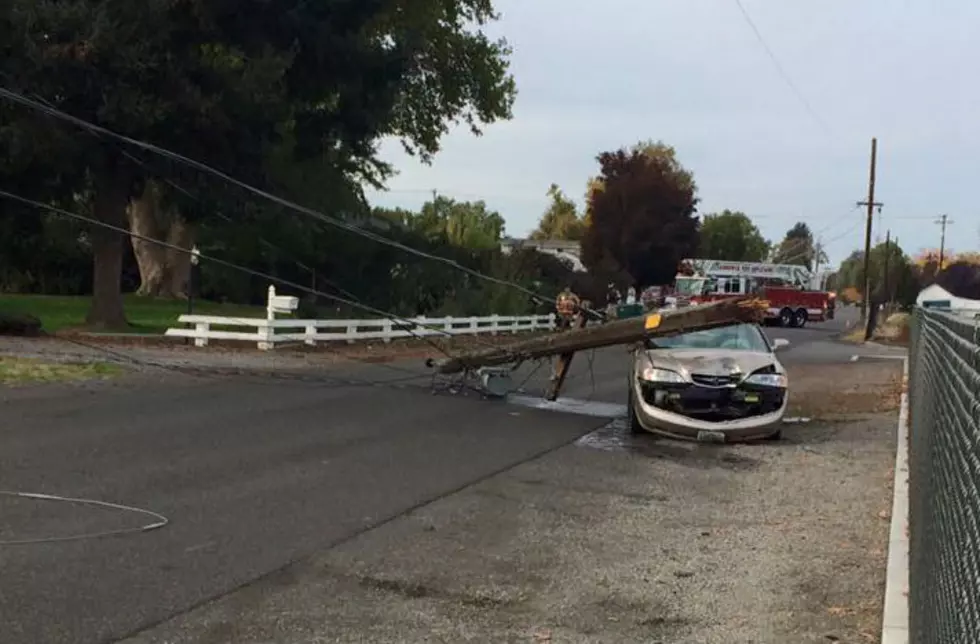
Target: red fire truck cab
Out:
[785,286]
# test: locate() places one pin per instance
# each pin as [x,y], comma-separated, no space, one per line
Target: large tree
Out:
[561,220]
[225,82]
[731,235]
[641,215]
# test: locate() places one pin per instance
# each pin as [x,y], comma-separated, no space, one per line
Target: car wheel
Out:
[632,422]
[800,318]
[786,317]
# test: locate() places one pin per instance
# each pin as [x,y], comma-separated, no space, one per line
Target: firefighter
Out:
[613,299]
[567,306]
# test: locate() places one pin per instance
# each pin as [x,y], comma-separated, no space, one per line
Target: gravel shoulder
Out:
[617,539]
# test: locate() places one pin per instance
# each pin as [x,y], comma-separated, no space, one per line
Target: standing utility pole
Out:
[888,252]
[898,247]
[871,204]
[943,221]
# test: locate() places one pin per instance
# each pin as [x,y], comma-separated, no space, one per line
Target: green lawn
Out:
[146,315]
[18,371]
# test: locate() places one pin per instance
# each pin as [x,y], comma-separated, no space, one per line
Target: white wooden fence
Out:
[269,332]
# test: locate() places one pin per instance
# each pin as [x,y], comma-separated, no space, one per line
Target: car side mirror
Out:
[779,343]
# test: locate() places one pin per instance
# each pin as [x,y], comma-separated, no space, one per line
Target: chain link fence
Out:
[944,470]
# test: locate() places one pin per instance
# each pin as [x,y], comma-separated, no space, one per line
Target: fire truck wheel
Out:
[800,318]
[786,317]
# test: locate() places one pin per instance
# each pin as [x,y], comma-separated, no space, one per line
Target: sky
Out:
[781,147]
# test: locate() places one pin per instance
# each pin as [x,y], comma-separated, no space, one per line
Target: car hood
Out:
[715,362]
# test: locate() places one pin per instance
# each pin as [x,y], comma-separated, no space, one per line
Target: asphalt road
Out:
[253,474]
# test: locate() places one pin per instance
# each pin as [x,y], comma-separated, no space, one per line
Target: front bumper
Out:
[672,423]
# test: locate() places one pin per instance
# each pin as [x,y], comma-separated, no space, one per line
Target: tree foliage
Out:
[799,247]
[731,235]
[458,223]
[561,220]
[961,278]
[642,215]
[901,283]
[228,83]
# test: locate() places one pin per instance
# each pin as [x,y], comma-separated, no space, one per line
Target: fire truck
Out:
[787,288]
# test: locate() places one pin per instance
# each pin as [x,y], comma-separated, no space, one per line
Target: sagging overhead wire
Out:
[780,69]
[406,375]
[20,99]
[187,193]
[806,251]
[262,240]
[408,323]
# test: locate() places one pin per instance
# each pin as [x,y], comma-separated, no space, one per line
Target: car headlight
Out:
[653,374]
[778,380]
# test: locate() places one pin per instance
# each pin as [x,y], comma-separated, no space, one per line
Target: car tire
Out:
[632,422]
[786,317]
[800,318]
[777,436]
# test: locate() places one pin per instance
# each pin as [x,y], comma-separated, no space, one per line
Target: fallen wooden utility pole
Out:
[628,331]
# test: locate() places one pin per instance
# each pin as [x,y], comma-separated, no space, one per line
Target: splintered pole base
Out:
[558,378]
[564,365]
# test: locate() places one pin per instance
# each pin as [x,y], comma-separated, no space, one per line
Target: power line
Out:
[823,244]
[244,269]
[779,67]
[801,243]
[317,277]
[203,167]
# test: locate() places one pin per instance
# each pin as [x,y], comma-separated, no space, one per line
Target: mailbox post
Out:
[192,279]
[275,304]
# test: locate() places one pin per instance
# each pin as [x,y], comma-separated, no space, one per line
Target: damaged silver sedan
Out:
[718,385]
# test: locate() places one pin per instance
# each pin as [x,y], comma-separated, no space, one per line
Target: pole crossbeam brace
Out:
[564,364]
[726,312]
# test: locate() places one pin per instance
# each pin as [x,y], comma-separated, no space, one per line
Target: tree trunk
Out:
[111,196]
[180,234]
[164,272]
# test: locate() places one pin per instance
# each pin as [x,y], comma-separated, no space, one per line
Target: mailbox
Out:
[281,303]
[284,303]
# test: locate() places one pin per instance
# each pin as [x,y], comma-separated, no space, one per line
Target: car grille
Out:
[707,380]
[714,403]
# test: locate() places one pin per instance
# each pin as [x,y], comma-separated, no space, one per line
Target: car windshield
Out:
[741,337]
